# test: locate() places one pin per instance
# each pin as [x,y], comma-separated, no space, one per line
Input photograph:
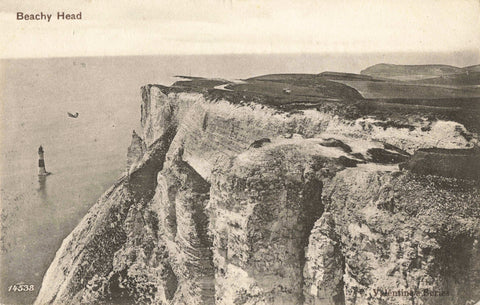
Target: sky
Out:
[118,27]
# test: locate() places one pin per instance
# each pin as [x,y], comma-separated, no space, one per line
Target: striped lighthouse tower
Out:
[41,163]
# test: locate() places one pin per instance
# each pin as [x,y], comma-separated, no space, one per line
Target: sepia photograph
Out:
[240,152]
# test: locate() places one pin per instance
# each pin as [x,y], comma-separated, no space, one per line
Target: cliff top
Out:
[437,94]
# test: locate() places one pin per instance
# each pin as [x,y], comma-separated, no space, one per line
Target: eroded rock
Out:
[455,163]
[400,233]
[262,208]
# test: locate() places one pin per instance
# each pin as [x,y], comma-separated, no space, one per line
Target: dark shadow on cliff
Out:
[142,181]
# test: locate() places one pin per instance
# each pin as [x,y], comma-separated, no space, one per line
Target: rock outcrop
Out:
[136,150]
[229,200]
[403,238]
[263,206]
[458,163]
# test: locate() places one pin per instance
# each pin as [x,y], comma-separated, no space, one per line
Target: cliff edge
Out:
[281,189]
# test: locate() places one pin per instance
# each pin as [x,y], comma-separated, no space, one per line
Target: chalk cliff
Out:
[230,198]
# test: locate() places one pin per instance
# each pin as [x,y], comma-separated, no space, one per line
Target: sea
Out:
[85,155]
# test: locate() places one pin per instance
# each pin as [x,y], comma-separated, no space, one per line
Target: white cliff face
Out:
[244,204]
[400,234]
[162,112]
[441,134]
[213,131]
[209,131]
[262,208]
[136,150]
[324,266]
[180,202]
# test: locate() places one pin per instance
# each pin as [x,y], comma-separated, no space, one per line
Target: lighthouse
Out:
[41,163]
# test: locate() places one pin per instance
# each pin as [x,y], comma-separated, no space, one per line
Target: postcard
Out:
[240,152]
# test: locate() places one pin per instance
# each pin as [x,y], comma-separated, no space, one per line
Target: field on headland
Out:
[419,91]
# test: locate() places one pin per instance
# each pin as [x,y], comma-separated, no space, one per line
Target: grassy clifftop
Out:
[445,92]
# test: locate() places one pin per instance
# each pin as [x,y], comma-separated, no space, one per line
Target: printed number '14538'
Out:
[21,288]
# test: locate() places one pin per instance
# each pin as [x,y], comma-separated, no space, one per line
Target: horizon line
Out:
[364,53]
